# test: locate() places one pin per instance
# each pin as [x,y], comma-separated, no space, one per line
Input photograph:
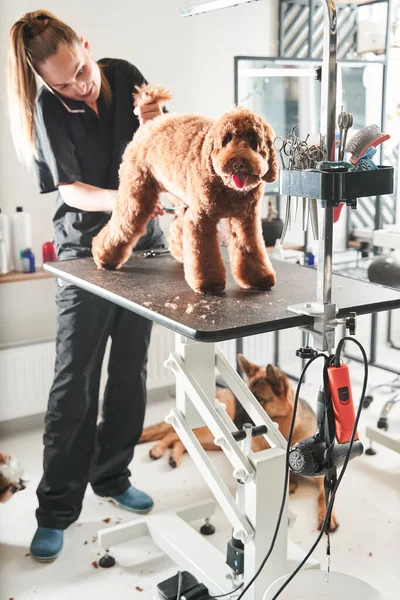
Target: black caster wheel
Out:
[207,528]
[371,450]
[107,561]
[367,401]
[383,423]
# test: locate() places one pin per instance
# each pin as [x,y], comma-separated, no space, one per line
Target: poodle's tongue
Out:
[239,179]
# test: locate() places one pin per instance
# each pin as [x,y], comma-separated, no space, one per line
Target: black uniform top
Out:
[88,148]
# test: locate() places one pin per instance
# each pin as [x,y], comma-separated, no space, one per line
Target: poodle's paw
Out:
[262,281]
[209,287]
[333,525]
[107,256]
[100,251]
[156,452]
[201,284]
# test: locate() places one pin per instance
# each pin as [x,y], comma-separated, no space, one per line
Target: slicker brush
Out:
[364,139]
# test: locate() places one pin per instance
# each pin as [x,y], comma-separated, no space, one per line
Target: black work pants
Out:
[77,450]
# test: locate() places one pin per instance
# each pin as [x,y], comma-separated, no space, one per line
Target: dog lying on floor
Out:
[10,477]
[274,392]
[215,170]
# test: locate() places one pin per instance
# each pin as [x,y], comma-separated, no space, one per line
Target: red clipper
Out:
[342,401]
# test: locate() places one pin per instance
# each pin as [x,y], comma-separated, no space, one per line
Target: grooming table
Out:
[155,288]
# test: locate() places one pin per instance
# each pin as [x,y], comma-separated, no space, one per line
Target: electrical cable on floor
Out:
[227,593]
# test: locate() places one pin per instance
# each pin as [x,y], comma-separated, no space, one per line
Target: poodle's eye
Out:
[253,140]
[227,139]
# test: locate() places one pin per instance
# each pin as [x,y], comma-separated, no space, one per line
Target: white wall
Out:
[193,57]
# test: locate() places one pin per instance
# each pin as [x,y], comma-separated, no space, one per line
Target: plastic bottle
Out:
[28,261]
[278,251]
[3,257]
[21,235]
[49,252]
[5,232]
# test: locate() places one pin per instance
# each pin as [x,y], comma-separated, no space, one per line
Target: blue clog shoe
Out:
[47,544]
[133,500]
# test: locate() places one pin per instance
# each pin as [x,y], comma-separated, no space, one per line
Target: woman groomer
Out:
[74,132]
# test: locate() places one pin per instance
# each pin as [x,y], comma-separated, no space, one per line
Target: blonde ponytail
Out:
[32,40]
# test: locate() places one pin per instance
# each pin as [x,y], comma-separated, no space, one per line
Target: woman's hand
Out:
[158,211]
[146,112]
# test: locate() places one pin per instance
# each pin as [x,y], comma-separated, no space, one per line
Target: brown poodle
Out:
[274,392]
[216,169]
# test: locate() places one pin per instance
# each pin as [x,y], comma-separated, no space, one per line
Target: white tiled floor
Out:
[367,544]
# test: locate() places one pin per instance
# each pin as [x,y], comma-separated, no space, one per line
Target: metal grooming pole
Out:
[323,311]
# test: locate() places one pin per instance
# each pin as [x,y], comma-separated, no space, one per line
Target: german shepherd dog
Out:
[274,392]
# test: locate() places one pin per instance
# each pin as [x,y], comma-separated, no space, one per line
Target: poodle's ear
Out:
[272,173]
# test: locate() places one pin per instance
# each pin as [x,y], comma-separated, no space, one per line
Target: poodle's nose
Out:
[238,165]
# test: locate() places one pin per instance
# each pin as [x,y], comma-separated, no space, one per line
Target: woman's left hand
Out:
[158,211]
[146,112]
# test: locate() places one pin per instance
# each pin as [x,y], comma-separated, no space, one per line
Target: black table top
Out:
[156,289]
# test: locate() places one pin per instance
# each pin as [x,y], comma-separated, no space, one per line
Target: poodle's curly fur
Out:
[216,169]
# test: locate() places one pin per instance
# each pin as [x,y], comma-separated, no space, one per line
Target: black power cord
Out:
[227,593]
[296,401]
[326,522]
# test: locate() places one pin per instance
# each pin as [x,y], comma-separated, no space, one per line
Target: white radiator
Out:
[26,373]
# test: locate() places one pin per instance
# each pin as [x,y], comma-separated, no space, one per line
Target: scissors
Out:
[171,209]
[154,253]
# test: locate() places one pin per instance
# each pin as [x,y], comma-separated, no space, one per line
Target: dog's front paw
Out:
[173,462]
[257,282]
[252,273]
[206,286]
[333,525]
[101,252]
[264,282]
[106,255]
[156,452]
[210,288]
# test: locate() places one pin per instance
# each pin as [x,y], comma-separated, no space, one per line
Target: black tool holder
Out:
[334,187]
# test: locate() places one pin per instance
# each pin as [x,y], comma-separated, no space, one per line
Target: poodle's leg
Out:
[137,195]
[204,268]
[249,260]
[175,237]
[155,432]
[334,524]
